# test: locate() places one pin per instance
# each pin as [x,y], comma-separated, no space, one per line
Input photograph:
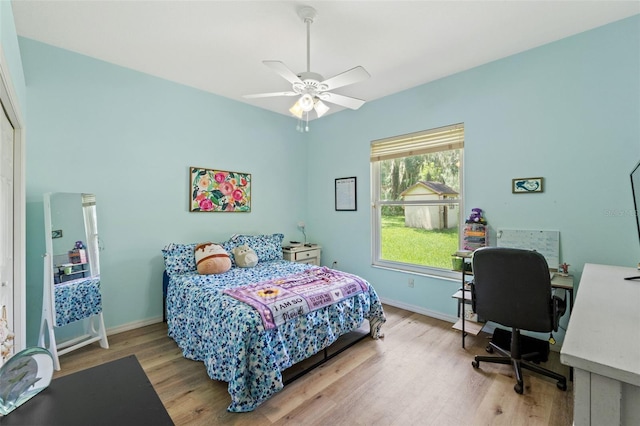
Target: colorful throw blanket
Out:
[281,299]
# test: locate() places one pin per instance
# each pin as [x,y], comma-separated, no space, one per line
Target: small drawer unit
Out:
[303,254]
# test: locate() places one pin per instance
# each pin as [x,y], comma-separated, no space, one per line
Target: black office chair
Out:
[512,287]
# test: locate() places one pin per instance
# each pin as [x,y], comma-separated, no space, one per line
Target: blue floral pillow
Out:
[179,258]
[267,247]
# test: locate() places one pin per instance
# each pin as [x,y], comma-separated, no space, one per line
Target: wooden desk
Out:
[115,393]
[602,344]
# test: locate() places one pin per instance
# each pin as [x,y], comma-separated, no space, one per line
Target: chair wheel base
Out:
[518,388]
[476,364]
[562,386]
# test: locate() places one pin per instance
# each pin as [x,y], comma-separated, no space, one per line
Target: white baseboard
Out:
[419,310]
[133,325]
[489,328]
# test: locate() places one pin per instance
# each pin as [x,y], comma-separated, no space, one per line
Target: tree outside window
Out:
[417,202]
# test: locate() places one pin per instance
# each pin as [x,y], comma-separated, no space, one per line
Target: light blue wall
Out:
[130,138]
[568,111]
[11,52]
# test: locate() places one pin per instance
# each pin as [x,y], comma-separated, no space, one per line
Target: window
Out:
[416,184]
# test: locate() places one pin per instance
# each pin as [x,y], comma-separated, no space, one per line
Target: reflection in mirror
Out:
[72,236]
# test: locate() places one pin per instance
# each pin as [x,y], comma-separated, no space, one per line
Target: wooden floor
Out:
[418,374]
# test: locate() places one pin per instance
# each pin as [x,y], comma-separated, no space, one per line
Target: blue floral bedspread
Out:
[76,300]
[229,336]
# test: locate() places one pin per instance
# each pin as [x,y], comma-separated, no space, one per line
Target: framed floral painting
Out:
[219,191]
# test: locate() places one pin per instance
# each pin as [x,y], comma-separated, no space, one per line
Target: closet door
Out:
[6,228]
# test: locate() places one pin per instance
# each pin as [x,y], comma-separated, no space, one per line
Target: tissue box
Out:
[78,256]
[469,315]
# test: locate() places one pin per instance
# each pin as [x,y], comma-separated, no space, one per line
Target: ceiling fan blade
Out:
[269,95]
[283,70]
[354,75]
[345,101]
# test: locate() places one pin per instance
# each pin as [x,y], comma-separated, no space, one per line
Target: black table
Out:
[115,393]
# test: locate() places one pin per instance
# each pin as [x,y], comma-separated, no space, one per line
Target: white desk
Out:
[602,343]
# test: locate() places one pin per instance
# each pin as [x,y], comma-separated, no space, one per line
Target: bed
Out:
[231,337]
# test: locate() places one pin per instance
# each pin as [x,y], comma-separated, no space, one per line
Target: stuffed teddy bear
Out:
[211,258]
[245,256]
[476,216]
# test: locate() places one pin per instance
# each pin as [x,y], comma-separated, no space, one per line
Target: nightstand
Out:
[303,254]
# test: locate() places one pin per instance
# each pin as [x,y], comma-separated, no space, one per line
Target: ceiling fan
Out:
[311,87]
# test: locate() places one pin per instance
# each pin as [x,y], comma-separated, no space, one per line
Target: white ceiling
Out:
[219,46]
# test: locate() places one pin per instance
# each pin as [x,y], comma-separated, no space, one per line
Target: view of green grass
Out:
[428,247]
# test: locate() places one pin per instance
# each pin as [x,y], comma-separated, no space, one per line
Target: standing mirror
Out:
[71,272]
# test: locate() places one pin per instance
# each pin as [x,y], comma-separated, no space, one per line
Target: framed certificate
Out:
[346,194]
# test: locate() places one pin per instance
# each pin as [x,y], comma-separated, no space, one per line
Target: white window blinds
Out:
[88,200]
[418,143]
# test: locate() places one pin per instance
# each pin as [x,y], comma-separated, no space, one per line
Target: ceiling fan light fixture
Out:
[321,108]
[306,102]
[311,88]
[297,110]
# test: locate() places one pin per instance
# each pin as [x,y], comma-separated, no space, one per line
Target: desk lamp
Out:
[301,226]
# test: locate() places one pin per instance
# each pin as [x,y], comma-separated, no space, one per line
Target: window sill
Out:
[444,274]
